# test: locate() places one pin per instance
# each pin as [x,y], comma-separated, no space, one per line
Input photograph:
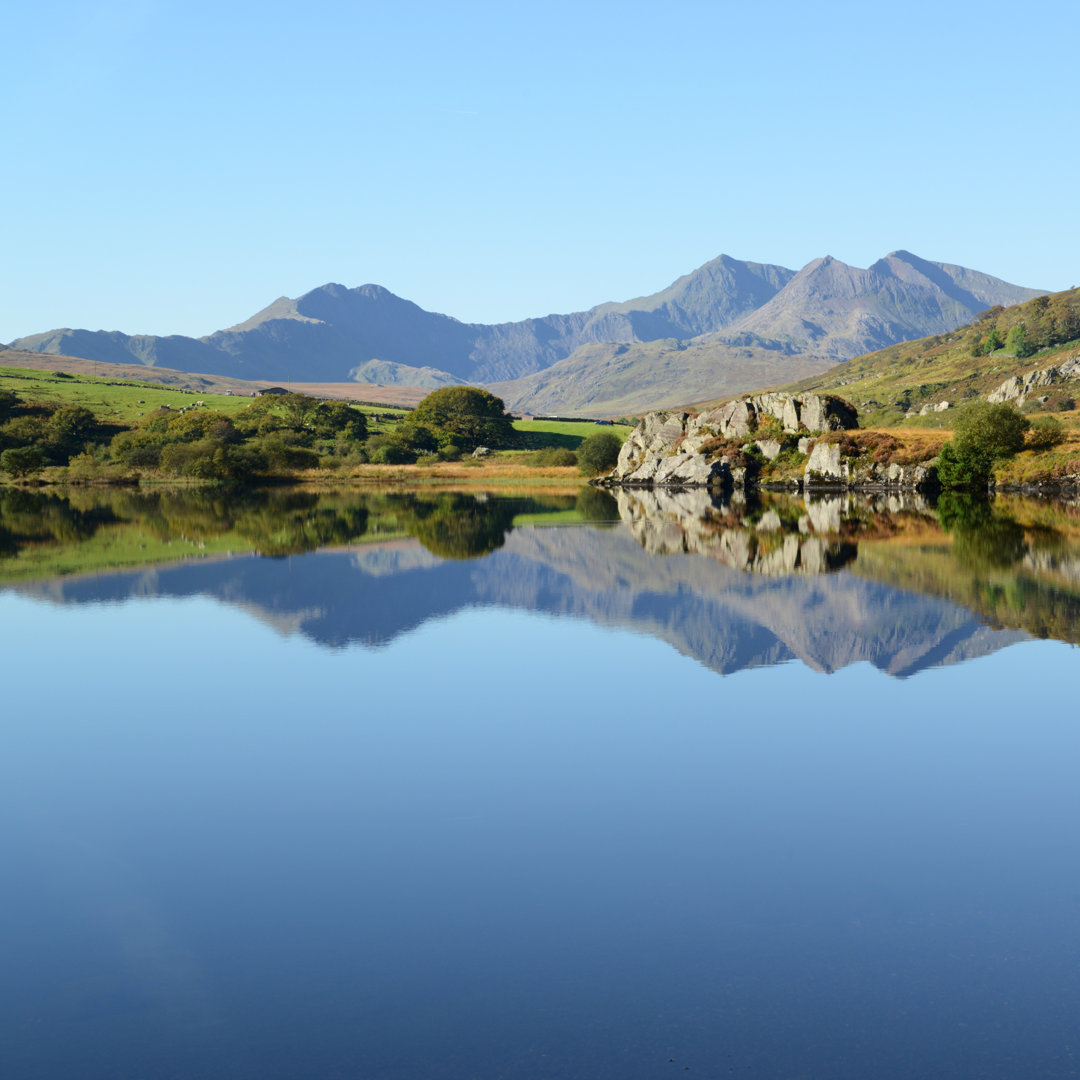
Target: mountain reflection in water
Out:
[898,582]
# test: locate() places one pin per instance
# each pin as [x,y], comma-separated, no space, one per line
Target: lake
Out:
[453,785]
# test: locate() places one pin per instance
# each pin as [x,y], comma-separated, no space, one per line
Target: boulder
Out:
[693,470]
[826,464]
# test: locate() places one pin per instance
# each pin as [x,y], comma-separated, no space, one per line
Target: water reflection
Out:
[896,582]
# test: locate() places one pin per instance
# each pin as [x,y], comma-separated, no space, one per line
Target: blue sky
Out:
[173,167]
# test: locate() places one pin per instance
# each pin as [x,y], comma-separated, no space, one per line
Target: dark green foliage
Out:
[56,433]
[274,435]
[962,466]
[389,450]
[599,453]
[465,415]
[419,437]
[22,460]
[306,417]
[554,456]
[983,434]
[993,341]
[74,423]
[999,429]
[1045,433]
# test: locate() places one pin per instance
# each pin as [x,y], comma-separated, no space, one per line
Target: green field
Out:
[569,434]
[114,401]
[109,400]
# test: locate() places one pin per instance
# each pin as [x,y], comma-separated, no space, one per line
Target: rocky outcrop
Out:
[672,449]
[829,468]
[1017,388]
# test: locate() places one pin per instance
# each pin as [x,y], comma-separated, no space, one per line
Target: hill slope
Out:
[952,367]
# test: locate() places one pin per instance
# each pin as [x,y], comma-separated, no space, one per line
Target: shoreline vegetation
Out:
[1015,562]
[59,429]
[991,406]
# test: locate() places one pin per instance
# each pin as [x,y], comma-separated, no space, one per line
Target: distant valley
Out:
[727,327]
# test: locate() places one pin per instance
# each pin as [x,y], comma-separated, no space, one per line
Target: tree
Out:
[73,422]
[598,453]
[22,460]
[983,434]
[999,429]
[993,341]
[465,415]
[1016,341]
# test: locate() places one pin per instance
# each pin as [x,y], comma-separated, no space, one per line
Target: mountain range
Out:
[729,326]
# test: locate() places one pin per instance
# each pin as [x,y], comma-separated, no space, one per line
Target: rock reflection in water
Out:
[767,534]
[890,580]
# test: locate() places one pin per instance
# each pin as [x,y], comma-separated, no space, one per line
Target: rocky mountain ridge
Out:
[728,326]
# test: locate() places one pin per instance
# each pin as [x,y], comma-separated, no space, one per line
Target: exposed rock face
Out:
[828,468]
[812,412]
[1017,389]
[668,448]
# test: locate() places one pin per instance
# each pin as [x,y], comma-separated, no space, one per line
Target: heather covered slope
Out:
[971,361]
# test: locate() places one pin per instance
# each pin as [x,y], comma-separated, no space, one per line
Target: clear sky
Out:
[172,167]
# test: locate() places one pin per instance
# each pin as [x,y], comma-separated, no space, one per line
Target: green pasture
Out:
[124,402]
[569,434]
[109,400]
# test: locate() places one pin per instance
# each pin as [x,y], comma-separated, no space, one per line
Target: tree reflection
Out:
[984,538]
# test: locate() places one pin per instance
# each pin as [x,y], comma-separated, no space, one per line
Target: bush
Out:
[598,453]
[388,452]
[554,456]
[1045,433]
[983,434]
[996,429]
[22,460]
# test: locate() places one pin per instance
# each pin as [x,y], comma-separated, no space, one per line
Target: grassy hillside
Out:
[404,397]
[889,384]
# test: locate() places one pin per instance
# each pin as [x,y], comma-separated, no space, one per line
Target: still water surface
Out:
[445,790]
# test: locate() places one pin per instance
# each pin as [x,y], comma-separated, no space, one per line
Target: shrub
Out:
[996,429]
[598,453]
[388,452]
[983,434]
[1045,432]
[22,460]
[557,456]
